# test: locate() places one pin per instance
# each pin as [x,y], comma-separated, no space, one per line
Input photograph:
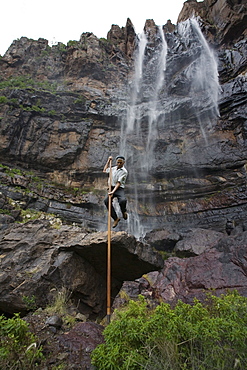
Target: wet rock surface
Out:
[226,19]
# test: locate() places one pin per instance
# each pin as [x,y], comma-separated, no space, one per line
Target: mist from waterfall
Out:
[149,106]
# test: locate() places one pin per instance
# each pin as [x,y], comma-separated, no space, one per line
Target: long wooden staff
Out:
[108,284]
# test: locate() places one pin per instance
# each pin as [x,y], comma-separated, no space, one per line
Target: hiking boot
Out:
[115,223]
[125,215]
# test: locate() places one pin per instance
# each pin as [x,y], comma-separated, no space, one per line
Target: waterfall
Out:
[153,103]
[132,119]
[203,72]
[132,122]
[156,66]
[153,112]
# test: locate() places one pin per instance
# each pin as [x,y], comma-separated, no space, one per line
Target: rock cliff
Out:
[225,20]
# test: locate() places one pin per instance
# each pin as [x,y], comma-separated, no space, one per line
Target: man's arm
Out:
[116,187]
[107,164]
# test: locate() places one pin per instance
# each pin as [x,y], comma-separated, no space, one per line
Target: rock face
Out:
[37,259]
[218,269]
[64,109]
[190,242]
[225,20]
[215,265]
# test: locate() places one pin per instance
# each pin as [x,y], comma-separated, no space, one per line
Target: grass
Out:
[60,305]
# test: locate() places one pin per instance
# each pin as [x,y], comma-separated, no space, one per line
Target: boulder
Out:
[190,242]
[217,270]
[197,241]
[163,240]
[36,258]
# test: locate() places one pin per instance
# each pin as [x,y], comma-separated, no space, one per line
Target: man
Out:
[116,188]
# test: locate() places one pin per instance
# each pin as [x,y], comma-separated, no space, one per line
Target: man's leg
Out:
[113,212]
[122,201]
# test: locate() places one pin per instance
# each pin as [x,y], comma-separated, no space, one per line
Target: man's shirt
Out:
[118,175]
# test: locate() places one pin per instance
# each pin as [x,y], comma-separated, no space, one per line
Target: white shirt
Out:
[118,175]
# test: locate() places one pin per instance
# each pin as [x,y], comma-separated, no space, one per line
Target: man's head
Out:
[120,161]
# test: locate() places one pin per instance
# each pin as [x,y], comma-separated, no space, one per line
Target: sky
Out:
[62,21]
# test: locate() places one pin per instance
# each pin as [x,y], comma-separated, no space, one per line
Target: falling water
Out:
[136,109]
[203,73]
[132,122]
[149,103]
[133,114]
[153,113]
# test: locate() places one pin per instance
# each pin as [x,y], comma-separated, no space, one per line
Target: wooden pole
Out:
[108,284]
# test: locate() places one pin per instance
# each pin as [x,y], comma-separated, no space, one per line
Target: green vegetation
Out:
[13,101]
[11,171]
[106,44]
[80,100]
[30,214]
[62,47]
[37,183]
[60,306]
[5,211]
[30,302]
[52,112]
[165,255]
[36,186]
[33,108]
[33,214]
[189,337]
[46,52]
[72,43]
[3,99]
[18,346]
[26,81]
